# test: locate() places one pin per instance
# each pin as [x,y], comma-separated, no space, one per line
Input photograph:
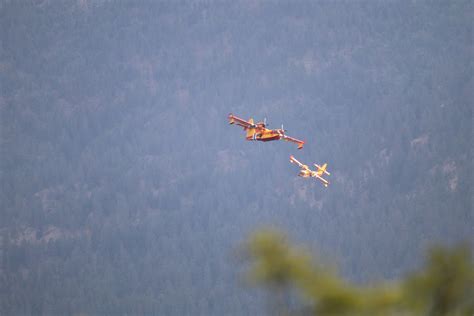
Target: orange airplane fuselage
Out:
[305,173]
[265,135]
[258,131]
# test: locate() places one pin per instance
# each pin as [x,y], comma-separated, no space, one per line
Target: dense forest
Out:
[124,191]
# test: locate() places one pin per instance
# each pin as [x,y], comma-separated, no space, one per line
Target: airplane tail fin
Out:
[322,170]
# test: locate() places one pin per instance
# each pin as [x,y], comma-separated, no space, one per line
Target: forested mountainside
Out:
[125,191]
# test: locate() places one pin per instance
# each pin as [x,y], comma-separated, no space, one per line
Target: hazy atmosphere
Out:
[125,191]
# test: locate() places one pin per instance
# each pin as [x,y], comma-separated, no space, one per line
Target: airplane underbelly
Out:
[269,138]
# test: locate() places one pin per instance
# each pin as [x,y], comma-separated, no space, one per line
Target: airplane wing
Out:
[324,181]
[236,120]
[294,140]
[293,160]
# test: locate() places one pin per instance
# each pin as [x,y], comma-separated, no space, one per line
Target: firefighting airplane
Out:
[305,172]
[258,131]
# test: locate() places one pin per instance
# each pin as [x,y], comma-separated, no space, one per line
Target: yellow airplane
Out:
[305,172]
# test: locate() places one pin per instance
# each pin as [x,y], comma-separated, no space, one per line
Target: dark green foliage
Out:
[444,286]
